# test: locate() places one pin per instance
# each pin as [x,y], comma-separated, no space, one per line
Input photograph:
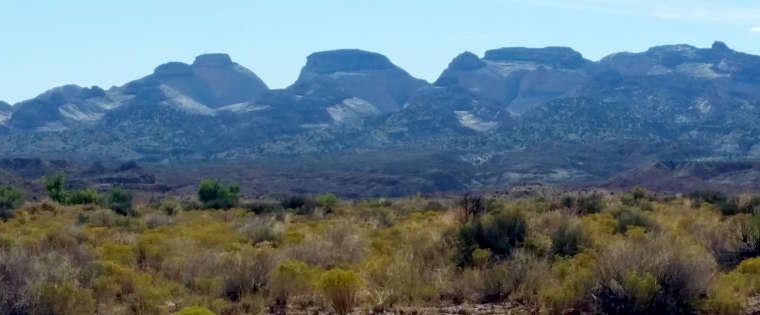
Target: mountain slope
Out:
[5,112]
[211,82]
[365,75]
[516,114]
[519,78]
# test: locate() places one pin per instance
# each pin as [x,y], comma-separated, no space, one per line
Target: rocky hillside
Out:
[515,114]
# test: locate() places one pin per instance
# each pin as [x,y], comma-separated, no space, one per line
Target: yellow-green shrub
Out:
[572,279]
[114,283]
[341,288]
[291,278]
[194,310]
[65,298]
[730,292]
[118,253]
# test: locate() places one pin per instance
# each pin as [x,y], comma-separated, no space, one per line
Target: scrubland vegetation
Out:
[87,253]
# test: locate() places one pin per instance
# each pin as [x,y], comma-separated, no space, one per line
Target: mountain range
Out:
[512,115]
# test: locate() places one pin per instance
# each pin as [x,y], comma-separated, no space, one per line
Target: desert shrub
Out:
[10,200]
[582,204]
[727,205]
[748,242]
[302,204]
[119,253]
[472,206]
[434,205]
[481,257]
[152,251]
[505,279]
[749,203]
[327,201]
[261,229]
[194,310]
[191,205]
[379,203]
[55,187]
[82,197]
[264,208]
[155,220]
[379,217]
[214,195]
[64,298]
[120,201]
[170,207]
[249,304]
[730,293]
[626,218]
[41,283]
[16,273]
[568,284]
[592,203]
[247,272]
[139,291]
[498,232]
[291,278]
[340,287]
[470,286]
[638,197]
[652,274]
[409,263]
[568,239]
[709,196]
[639,193]
[105,218]
[496,282]
[342,244]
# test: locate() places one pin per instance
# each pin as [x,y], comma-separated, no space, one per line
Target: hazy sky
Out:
[49,43]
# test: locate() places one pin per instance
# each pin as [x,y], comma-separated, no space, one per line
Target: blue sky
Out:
[50,43]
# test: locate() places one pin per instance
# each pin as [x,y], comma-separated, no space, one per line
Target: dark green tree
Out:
[120,201]
[217,196]
[10,199]
[56,187]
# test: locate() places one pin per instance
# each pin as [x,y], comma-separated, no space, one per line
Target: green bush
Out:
[341,288]
[214,195]
[82,197]
[120,201]
[10,199]
[582,204]
[260,208]
[568,240]
[728,205]
[302,204]
[638,197]
[590,204]
[56,187]
[639,193]
[498,232]
[626,218]
[327,201]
